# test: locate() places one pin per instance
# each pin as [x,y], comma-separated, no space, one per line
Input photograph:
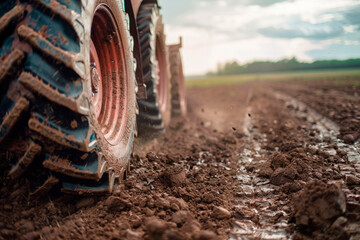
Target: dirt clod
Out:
[117,204]
[318,205]
[178,203]
[352,180]
[208,197]
[349,139]
[283,175]
[221,213]
[339,222]
[291,187]
[155,228]
[132,235]
[205,235]
[279,160]
[175,176]
[180,218]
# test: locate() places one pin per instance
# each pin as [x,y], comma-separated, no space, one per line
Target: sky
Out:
[219,31]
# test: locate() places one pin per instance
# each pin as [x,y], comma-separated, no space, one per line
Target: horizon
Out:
[220,31]
[289,58]
[216,73]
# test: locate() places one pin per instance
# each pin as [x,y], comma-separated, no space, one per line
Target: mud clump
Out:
[291,187]
[180,218]
[182,226]
[349,138]
[205,235]
[352,180]
[265,170]
[283,175]
[221,213]
[318,205]
[279,160]
[155,229]
[174,176]
[289,166]
[177,204]
[117,204]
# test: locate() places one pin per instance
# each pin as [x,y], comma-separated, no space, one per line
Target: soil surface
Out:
[250,161]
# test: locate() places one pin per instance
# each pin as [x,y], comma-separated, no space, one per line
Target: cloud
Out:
[202,51]
[296,28]
[265,3]
[224,30]
[261,3]
[325,24]
[352,16]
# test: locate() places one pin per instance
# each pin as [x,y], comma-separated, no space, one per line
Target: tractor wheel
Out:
[178,101]
[68,101]
[155,111]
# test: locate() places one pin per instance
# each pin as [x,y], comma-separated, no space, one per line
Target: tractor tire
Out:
[155,111]
[178,101]
[67,100]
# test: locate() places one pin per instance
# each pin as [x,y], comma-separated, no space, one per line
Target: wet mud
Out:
[250,161]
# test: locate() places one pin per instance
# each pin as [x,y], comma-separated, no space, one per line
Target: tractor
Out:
[79,79]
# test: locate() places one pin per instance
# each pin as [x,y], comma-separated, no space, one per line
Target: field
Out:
[336,75]
[274,157]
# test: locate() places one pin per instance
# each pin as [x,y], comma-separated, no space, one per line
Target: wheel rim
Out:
[161,77]
[108,76]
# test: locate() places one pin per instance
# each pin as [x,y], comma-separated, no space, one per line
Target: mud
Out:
[337,100]
[318,205]
[249,162]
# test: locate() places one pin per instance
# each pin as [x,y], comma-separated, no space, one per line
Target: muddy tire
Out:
[178,101]
[155,111]
[54,125]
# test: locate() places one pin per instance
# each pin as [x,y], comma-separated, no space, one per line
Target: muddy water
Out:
[262,214]
[257,200]
[328,132]
[327,129]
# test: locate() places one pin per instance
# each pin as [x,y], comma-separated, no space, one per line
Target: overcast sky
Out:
[217,31]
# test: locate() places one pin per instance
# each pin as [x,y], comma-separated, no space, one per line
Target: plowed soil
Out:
[250,161]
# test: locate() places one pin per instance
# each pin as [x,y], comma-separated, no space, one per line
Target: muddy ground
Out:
[250,161]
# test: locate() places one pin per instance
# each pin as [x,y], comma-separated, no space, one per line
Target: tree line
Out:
[234,68]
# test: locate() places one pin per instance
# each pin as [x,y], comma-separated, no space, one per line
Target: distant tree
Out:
[291,64]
